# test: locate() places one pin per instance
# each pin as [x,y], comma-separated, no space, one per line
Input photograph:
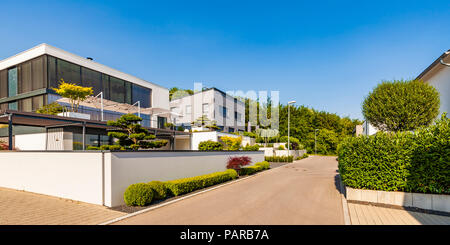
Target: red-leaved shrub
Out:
[237,162]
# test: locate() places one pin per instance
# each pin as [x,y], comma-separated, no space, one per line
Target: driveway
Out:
[26,208]
[303,192]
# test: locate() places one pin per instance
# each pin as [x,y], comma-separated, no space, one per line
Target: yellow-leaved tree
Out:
[75,93]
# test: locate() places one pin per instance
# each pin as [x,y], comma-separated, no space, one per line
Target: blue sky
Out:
[327,55]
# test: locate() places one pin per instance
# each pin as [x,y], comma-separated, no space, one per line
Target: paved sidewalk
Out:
[26,208]
[362,214]
[303,192]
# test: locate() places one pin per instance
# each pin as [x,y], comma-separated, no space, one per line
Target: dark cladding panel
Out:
[3,84]
[25,82]
[38,74]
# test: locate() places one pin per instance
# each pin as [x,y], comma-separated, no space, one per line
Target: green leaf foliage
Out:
[159,189]
[210,145]
[140,194]
[402,161]
[279,158]
[401,105]
[131,135]
[186,185]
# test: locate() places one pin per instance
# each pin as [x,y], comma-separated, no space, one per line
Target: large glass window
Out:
[3,84]
[71,73]
[12,82]
[105,87]
[13,106]
[128,93]
[141,94]
[92,79]
[117,89]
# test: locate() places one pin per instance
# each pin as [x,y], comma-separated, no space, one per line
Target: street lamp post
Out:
[315,141]
[289,121]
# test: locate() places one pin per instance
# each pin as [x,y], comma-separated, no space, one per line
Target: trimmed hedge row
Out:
[279,159]
[411,162]
[185,185]
[142,194]
[255,168]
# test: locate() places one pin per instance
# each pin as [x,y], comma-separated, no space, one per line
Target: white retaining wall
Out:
[71,175]
[102,177]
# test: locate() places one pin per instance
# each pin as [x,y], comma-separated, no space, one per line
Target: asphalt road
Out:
[303,192]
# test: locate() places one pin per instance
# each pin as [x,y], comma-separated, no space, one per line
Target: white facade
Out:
[198,137]
[159,96]
[438,75]
[368,129]
[211,103]
[102,177]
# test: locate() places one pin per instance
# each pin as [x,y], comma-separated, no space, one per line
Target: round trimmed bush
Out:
[159,189]
[140,194]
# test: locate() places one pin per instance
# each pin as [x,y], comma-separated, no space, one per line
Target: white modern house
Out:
[26,82]
[438,75]
[226,110]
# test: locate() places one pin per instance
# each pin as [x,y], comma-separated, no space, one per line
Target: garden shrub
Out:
[251,147]
[231,143]
[140,194]
[159,189]
[265,165]
[255,168]
[210,145]
[92,148]
[186,185]
[404,161]
[281,147]
[279,158]
[250,170]
[236,163]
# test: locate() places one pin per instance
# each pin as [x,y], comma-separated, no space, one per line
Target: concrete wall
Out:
[102,177]
[26,142]
[126,168]
[72,175]
[441,81]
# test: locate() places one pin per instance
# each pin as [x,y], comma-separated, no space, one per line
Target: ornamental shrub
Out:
[231,143]
[404,161]
[236,163]
[265,165]
[186,185]
[401,105]
[159,189]
[279,158]
[210,145]
[250,170]
[140,194]
[251,147]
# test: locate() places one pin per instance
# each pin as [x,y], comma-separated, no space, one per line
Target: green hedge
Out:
[140,194]
[251,148]
[255,168]
[185,185]
[159,189]
[411,162]
[279,159]
[210,145]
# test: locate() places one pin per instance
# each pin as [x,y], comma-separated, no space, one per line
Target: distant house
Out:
[438,75]
[226,110]
[368,129]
